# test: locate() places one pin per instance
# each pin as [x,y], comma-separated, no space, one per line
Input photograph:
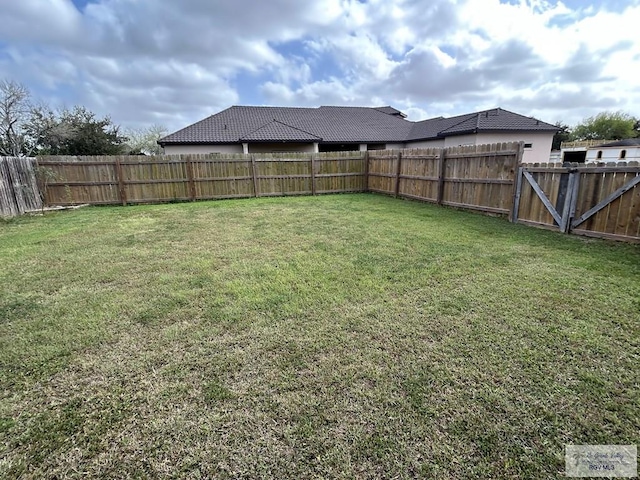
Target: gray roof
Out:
[494,120]
[391,111]
[281,131]
[240,124]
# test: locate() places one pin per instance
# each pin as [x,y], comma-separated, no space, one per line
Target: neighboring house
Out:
[242,129]
[576,151]
[619,151]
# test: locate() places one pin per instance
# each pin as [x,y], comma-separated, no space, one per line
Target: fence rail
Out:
[601,201]
[19,192]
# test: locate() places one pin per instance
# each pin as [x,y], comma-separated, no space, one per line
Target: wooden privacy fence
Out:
[134,179]
[602,201]
[598,201]
[479,177]
[19,192]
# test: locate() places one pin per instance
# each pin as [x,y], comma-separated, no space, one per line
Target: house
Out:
[619,151]
[247,129]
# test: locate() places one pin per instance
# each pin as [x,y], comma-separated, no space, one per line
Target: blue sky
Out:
[165,62]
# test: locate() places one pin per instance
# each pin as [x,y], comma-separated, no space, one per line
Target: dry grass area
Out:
[351,336]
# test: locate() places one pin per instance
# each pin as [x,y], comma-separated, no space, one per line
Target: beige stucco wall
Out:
[539,152]
[280,147]
[237,148]
[193,149]
[439,143]
[395,146]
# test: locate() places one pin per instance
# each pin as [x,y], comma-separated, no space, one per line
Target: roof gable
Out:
[493,120]
[391,111]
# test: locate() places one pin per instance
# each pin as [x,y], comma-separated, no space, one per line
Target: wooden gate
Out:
[600,201]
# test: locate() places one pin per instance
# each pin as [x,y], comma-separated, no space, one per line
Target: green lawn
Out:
[348,336]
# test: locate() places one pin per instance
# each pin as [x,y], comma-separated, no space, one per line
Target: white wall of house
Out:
[194,149]
[540,143]
[462,140]
[237,148]
[538,152]
[613,154]
[438,143]
[394,146]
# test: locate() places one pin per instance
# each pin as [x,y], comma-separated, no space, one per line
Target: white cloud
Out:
[55,21]
[150,61]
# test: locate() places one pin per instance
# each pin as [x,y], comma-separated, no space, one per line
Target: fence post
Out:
[12,183]
[256,193]
[571,200]
[515,207]
[313,174]
[517,184]
[398,168]
[441,165]
[366,170]
[192,184]
[123,193]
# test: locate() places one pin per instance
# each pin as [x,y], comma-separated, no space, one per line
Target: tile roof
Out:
[281,131]
[496,119]
[341,125]
[390,111]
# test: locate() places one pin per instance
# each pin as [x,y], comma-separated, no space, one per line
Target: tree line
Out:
[604,126]
[28,128]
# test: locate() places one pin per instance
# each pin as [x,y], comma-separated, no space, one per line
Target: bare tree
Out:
[14,112]
[145,140]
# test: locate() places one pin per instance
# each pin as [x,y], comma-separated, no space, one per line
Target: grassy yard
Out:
[350,336]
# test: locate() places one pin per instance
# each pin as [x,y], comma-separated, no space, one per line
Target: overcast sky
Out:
[174,62]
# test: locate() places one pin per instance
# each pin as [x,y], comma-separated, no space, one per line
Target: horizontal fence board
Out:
[544,226]
[349,174]
[341,191]
[275,177]
[608,236]
[477,207]
[418,177]
[496,181]
[418,197]
[384,175]
[221,179]
[481,154]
